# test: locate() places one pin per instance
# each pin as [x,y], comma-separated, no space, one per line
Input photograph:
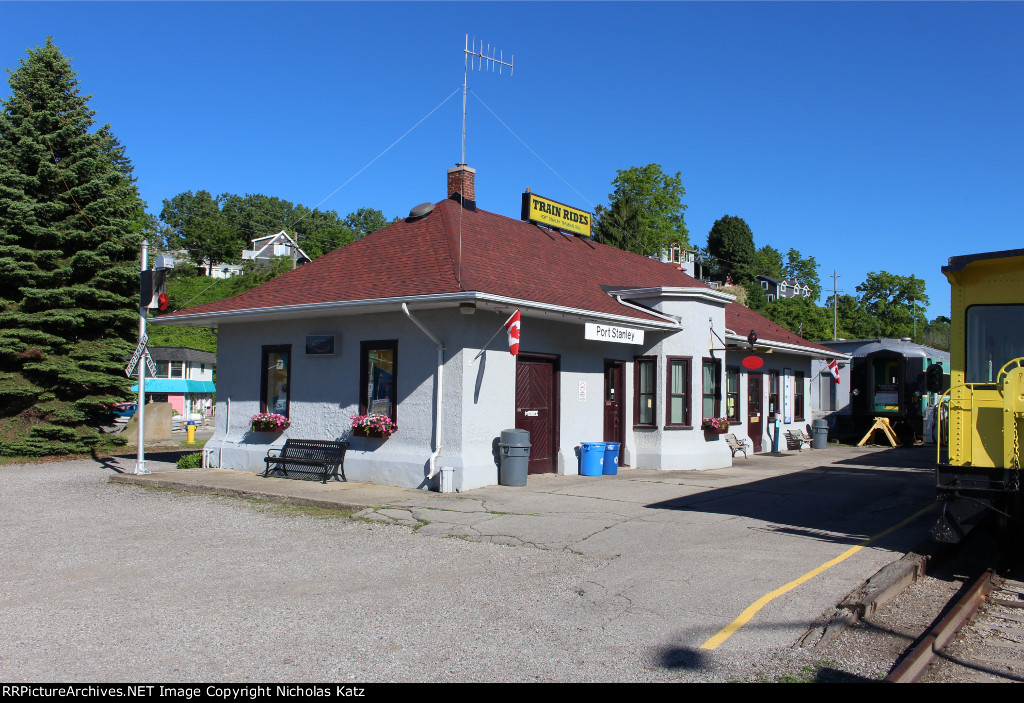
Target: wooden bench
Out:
[308,458]
[796,439]
[736,445]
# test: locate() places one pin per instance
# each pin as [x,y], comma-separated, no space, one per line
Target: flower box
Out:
[715,425]
[370,432]
[270,422]
[373,425]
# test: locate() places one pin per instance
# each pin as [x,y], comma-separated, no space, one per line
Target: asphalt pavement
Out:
[617,578]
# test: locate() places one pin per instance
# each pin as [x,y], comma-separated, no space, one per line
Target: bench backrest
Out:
[314,449]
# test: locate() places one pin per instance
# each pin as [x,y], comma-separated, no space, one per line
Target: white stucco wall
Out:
[785,364]
[674,449]
[479,397]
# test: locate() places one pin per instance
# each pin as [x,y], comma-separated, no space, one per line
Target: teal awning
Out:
[176,385]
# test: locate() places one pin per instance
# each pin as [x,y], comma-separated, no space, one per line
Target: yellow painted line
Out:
[761,602]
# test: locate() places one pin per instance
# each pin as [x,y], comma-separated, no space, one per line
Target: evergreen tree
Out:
[70,226]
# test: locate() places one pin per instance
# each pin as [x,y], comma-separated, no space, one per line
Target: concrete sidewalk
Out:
[551,512]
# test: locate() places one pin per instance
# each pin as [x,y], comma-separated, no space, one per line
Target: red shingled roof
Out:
[500,255]
[741,320]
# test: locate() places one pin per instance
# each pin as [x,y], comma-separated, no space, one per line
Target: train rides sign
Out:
[555,215]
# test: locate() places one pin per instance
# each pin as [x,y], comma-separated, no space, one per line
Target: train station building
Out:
[410,323]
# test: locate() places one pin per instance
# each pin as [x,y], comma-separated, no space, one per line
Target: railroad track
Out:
[979,638]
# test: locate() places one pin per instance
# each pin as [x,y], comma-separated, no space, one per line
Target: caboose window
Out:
[993,338]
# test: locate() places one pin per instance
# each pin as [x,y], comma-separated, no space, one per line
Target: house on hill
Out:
[402,322]
[778,288]
[266,249]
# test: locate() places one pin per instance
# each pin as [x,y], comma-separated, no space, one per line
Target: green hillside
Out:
[187,289]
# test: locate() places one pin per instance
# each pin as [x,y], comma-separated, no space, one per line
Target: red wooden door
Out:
[537,410]
[755,423]
[614,401]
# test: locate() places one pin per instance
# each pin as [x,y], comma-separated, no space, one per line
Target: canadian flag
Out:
[833,366]
[512,325]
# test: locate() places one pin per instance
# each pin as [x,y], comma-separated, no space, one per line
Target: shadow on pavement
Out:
[682,658]
[844,502]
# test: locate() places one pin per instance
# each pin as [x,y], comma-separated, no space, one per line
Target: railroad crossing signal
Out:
[139,351]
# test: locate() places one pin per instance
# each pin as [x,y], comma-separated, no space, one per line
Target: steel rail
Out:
[914,665]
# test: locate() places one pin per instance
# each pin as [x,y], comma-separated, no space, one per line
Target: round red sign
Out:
[753,362]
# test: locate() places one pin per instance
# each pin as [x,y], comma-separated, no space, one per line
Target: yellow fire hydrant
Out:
[191,429]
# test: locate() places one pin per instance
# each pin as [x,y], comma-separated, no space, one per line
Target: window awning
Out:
[176,385]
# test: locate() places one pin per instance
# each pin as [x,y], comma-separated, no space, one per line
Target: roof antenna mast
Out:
[479,59]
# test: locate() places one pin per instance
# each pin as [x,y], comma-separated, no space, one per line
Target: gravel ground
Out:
[990,649]
[100,582]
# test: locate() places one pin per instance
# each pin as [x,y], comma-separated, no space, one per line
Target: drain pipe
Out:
[227,428]
[440,377]
[655,313]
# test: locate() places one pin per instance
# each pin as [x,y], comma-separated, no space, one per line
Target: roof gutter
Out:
[669,318]
[786,347]
[696,292]
[440,300]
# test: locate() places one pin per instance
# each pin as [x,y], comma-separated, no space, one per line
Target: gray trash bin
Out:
[514,447]
[819,434]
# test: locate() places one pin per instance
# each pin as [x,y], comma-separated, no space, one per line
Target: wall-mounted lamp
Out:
[467,308]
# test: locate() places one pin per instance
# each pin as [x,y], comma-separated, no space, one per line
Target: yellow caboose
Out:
[981,473]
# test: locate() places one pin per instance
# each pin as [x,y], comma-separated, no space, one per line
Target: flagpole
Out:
[496,333]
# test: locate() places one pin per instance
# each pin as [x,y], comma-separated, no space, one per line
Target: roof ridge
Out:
[452,273]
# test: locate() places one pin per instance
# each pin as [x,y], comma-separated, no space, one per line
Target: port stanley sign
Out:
[612,333]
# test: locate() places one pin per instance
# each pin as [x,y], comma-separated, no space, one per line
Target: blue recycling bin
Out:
[591,458]
[611,459]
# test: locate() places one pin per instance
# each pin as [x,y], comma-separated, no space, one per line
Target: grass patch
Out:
[318,512]
[819,672]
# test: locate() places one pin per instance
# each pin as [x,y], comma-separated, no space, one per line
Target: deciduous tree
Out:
[802,316]
[804,270]
[895,302]
[768,262]
[645,213]
[199,227]
[731,243]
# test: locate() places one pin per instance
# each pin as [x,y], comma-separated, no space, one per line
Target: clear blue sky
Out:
[872,136]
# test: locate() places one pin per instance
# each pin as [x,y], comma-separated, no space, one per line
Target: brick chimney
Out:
[462,185]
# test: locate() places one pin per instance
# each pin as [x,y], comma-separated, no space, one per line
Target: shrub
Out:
[192,460]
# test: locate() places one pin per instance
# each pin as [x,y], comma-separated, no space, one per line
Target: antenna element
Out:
[479,59]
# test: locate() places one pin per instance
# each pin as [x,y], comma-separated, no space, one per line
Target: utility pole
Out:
[915,319]
[835,305]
